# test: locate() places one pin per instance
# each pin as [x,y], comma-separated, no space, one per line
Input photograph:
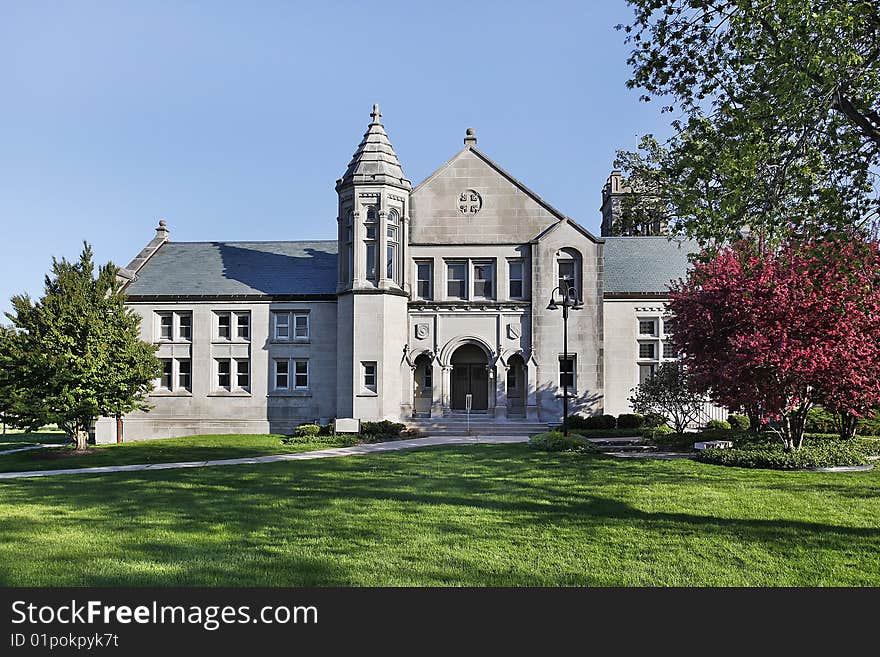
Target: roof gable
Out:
[506,210]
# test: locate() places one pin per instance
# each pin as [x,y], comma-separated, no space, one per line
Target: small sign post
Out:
[468,402]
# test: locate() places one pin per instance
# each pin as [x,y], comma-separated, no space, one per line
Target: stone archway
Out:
[470,376]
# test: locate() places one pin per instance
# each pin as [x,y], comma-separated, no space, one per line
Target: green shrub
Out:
[603,433]
[819,421]
[813,454]
[870,425]
[739,422]
[654,420]
[339,440]
[382,430]
[555,441]
[307,430]
[657,433]
[591,422]
[720,425]
[630,420]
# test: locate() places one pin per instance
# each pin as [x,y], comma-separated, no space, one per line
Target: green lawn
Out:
[15,438]
[475,515]
[169,450]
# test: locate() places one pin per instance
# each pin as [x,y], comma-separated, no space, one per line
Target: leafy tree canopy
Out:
[75,354]
[778,126]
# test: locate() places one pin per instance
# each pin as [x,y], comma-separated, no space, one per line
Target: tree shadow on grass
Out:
[448,515]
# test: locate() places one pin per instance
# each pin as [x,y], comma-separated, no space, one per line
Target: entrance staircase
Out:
[481,424]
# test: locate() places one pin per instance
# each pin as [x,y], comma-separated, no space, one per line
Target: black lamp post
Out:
[569,301]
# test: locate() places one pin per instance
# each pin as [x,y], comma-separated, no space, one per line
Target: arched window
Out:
[568,271]
[348,257]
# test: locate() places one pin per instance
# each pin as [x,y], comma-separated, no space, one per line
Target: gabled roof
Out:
[646,265]
[469,146]
[210,269]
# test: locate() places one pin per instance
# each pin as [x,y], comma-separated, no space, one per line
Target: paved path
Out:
[373,448]
[25,449]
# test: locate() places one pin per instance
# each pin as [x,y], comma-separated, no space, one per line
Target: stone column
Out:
[446,390]
[493,389]
[530,373]
[501,394]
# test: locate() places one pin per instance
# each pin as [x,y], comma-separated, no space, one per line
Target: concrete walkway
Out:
[391,446]
[25,449]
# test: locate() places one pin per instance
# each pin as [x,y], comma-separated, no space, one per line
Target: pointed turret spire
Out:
[375,161]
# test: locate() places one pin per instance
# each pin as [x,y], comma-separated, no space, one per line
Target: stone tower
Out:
[373,280]
[627,211]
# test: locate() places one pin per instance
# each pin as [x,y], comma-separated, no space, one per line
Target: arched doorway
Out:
[470,376]
[516,386]
[423,385]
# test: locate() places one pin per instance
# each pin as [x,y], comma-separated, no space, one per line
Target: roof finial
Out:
[470,138]
[376,113]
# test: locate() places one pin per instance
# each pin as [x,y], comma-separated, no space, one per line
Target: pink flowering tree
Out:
[781,331]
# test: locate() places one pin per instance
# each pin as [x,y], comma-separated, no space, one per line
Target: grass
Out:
[15,438]
[168,450]
[476,515]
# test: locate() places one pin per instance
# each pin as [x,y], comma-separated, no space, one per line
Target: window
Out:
[391,247]
[283,320]
[372,217]
[223,326]
[184,374]
[568,267]
[184,326]
[282,326]
[646,350]
[223,374]
[281,374]
[515,269]
[347,263]
[165,323]
[301,374]
[166,380]
[242,372]
[646,327]
[456,280]
[484,277]
[301,326]
[669,350]
[428,380]
[511,379]
[244,326]
[646,372]
[369,376]
[566,274]
[371,260]
[424,280]
[567,371]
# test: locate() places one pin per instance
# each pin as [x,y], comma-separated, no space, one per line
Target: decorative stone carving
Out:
[421,331]
[513,331]
[469,202]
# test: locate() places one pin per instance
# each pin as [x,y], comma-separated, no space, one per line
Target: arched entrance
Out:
[516,386]
[470,375]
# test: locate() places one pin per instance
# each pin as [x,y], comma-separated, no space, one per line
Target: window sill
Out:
[288,341]
[225,341]
[367,393]
[230,393]
[171,393]
[290,393]
[169,341]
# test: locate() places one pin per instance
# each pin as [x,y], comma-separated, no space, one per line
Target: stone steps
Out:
[478,427]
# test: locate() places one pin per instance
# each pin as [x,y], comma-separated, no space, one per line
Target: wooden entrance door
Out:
[470,379]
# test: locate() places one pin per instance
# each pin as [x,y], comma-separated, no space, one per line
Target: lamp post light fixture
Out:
[568,302]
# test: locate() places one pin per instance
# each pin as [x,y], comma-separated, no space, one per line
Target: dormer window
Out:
[568,271]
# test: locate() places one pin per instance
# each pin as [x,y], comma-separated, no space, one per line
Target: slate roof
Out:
[375,161]
[239,269]
[644,264]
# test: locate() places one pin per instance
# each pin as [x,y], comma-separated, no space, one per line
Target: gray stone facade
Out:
[427,296]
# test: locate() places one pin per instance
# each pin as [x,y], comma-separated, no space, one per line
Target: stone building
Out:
[429,299]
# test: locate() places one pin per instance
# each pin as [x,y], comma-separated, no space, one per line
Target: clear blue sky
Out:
[232,121]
